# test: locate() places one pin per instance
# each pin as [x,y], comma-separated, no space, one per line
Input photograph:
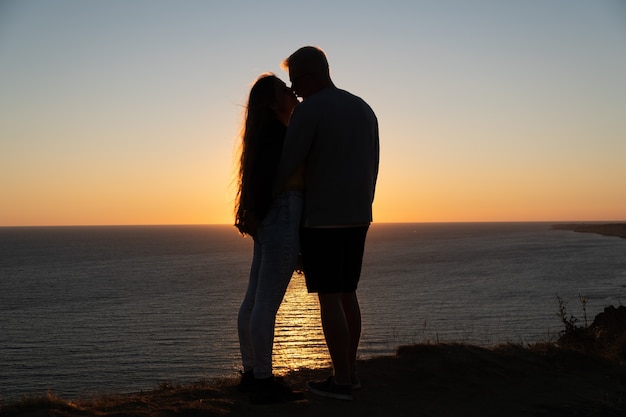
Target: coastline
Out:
[605,229]
[417,380]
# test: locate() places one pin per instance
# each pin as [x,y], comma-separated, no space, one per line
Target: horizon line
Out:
[397,222]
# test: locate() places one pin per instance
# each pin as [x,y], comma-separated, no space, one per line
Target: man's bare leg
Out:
[337,334]
[352,311]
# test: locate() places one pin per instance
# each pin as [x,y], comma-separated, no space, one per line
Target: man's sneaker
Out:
[329,389]
[273,390]
[356,382]
[246,383]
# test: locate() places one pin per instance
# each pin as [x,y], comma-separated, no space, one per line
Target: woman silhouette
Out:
[274,225]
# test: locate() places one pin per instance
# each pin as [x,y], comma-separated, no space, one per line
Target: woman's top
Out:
[256,191]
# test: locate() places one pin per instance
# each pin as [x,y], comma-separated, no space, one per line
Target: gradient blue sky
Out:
[127,111]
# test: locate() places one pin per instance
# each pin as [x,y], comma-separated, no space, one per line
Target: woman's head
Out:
[269,98]
[261,99]
[269,101]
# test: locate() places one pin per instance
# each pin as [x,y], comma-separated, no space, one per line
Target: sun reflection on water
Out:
[299,340]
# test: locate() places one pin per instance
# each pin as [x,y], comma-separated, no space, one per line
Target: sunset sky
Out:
[127,111]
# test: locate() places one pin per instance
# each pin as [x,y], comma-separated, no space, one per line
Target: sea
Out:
[105,310]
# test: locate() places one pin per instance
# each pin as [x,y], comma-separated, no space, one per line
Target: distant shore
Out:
[606,229]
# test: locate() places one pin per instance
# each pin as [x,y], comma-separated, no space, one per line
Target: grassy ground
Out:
[421,380]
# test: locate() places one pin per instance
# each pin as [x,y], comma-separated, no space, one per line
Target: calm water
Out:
[87,310]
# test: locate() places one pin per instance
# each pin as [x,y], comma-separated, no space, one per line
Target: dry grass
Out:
[426,380]
[583,374]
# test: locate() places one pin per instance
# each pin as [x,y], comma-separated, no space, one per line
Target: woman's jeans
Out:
[276,249]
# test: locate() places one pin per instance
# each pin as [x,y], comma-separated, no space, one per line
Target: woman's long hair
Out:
[257,116]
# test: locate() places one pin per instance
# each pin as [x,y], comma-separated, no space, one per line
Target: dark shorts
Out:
[332,258]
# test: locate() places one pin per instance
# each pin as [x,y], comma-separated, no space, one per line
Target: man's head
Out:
[308,71]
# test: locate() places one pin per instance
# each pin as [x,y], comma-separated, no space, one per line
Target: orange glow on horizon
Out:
[202,194]
[389,207]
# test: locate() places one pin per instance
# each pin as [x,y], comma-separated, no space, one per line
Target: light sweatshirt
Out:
[334,134]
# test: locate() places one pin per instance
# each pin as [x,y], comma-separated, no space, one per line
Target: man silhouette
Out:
[333,136]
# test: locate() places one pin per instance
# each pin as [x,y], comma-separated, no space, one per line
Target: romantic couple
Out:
[307,177]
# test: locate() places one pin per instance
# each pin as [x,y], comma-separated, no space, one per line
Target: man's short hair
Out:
[307,59]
